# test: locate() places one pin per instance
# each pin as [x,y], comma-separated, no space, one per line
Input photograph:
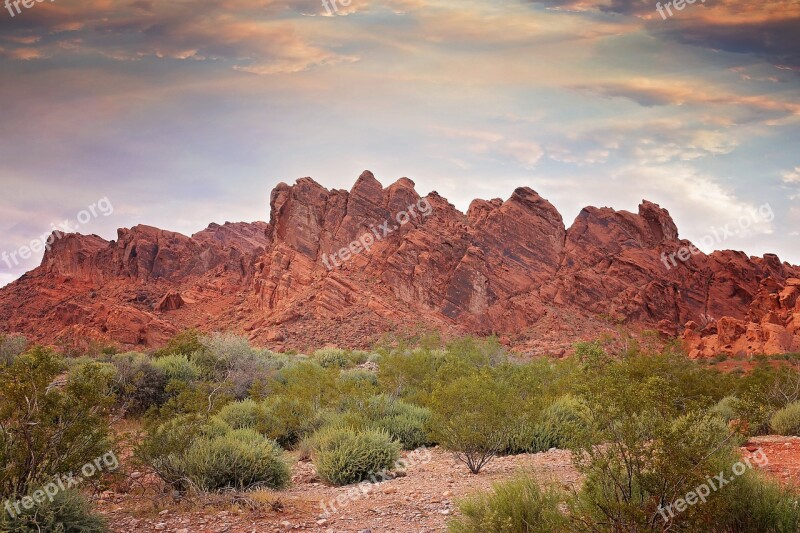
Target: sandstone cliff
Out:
[510,268]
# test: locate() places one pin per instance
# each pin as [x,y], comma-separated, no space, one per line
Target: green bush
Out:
[177,367]
[49,429]
[524,437]
[11,346]
[787,420]
[404,422]
[139,384]
[566,418]
[471,417]
[69,512]
[186,342]
[240,459]
[166,443]
[293,419]
[344,456]
[332,358]
[726,409]
[243,414]
[357,384]
[515,506]
[408,429]
[753,503]
[230,359]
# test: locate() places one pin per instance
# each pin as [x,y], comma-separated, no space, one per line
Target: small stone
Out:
[160,527]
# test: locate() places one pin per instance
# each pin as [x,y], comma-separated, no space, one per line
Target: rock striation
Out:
[406,263]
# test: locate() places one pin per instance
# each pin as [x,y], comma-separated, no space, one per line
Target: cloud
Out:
[701,200]
[792,176]
[762,28]
[251,37]
[650,92]
[497,146]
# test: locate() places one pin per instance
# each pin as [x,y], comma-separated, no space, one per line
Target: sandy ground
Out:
[420,501]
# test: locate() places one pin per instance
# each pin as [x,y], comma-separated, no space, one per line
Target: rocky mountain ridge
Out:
[510,268]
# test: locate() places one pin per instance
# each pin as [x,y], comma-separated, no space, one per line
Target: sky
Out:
[181,113]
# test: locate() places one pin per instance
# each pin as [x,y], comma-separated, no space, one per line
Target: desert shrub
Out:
[471,417]
[787,420]
[344,456]
[10,347]
[242,414]
[658,444]
[293,419]
[192,452]
[309,381]
[556,427]
[725,409]
[106,372]
[332,358]
[251,414]
[200,397]
[477,352]
[753,411]
[240,459]
[166,443]
[752,503]
[519,505]
[185,342]
[359,357]
[404,422]
[177,367]
[69,512]
[526,437]
[409,429]
[357,384]
[49,428]
[230,359]
[566,417]
[412,375]
[139,384]
[353,419]
[628,480]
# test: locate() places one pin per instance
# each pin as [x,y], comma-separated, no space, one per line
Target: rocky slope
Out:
[339,267]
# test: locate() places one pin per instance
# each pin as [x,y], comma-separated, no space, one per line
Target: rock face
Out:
[339,267]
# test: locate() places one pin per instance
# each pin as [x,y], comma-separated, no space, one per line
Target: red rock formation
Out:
[506,267]
[772,325]
[171,301]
